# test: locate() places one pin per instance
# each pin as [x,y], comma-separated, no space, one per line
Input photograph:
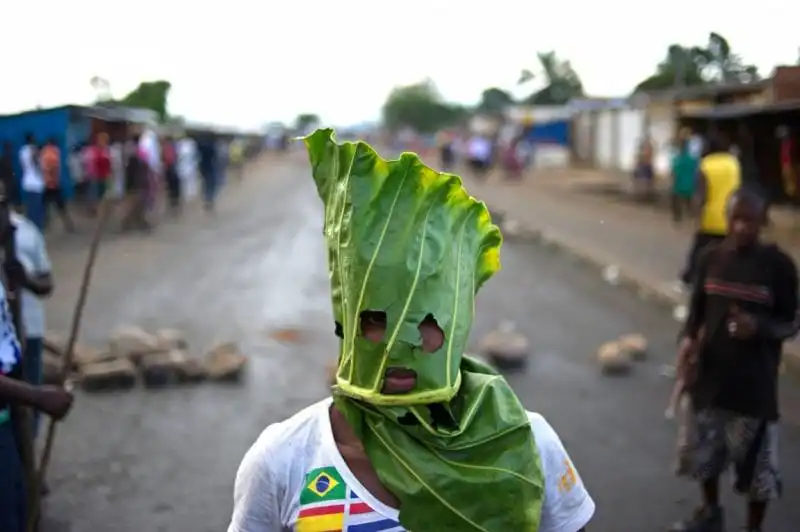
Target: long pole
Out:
[105,214]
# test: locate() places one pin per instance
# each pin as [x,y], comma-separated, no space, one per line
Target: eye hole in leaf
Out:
[432,335]
[337,330]
[373,325]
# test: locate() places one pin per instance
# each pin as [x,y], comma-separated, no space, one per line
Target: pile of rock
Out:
[617,357]
[133,355]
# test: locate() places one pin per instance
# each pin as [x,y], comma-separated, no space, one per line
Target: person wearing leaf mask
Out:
[417,436]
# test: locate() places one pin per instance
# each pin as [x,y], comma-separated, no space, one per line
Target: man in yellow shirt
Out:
[719,176]
[236,157]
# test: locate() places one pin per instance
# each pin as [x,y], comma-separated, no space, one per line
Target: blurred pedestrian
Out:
[745,303]
[116,153]
[222,148]
[150,154]
[511,159]
[50,163]
[696,143]
[644,173]
[447,155]
[208,170]
[236,154]
[751,172]
[77,171]
[32,182]
[188,170]
[684,180]
[479,154]
[136,187]
[719,177]
[169,163]
[7,177]
[98,165]
[787,161]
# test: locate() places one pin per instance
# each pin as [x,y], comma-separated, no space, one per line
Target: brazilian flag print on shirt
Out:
[327,504]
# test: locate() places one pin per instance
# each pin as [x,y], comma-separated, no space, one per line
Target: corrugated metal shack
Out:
[70,126]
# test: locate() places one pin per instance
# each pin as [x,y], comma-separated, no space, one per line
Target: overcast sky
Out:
[248,62]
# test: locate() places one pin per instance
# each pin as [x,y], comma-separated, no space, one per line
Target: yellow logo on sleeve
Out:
[569,479]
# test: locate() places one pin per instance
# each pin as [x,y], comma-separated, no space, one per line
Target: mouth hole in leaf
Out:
[373,325]
[441,417]
[432,335]
[337,330]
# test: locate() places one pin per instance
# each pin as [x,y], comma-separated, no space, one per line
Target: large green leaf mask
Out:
[409,242]
[457,450]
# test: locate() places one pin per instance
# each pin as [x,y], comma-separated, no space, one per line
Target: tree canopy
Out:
[714,62]
[305,121]
[562,83]
[495,101]
[419,106]
[151,95]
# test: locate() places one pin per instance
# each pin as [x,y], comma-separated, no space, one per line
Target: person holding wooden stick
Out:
[16,393]
[36,282]
[743,307]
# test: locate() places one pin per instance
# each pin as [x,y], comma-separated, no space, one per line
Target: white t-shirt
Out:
[32,254]
[187,158]
[293,479]
[479,148]
[148,143]
[32,180]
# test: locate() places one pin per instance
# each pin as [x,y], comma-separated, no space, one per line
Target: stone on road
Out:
[163,368]
[635,345]
[614,359]
[225,363]
[119,374]
[505,348]
[166,460]
[133,342]
[171,339]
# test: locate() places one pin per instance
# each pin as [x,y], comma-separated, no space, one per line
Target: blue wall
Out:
[45,124]
[556,132]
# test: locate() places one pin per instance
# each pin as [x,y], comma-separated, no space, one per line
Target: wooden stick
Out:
[675,398]
[685,368]
[105,215]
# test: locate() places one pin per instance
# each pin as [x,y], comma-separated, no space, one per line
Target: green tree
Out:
[698,65]
[525,76]
[305,121]
[151,95]
[721,65]
[495,101]
[562,82]
[420,107]
[682,66]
